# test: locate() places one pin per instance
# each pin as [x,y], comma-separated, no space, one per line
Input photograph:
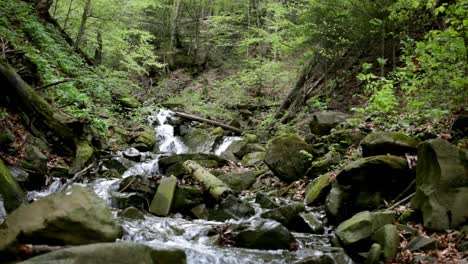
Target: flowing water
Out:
[195,236]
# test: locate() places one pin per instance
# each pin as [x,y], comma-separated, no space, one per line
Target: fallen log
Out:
[208,121]
[216,187]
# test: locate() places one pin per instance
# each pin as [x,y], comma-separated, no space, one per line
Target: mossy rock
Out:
[131,213]
[187,197]
[285,158]
[388,238]
[202,140]
[287,215]
[126,101]
[204,159]
[12,194]
[323,122]
[394,143]
[318,189]
[441,184]
[253,159]
[83,154]
[239,181]
[144,140]
[324,164]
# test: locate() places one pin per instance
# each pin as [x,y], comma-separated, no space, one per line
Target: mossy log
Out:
[208,121]
[216,187]
[44,121]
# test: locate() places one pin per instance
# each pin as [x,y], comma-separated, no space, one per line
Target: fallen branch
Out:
[208,121]
[216,187]
[402,201]
[53,84]
[75,177]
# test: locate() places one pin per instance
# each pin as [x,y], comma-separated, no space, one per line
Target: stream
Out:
[195,237]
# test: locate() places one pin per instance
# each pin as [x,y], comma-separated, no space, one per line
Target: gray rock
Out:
[115,253]
[262,234]
[441,184]
[162,201]
[394,143]
[264,201]
[131,213]
[73,217]
[388,238]
[285,159]
[186,197]
[119,164]
[421,243]
[136,183]
[201,140]
[231,207]
[324,164]
[373,257]
[323,122]
[314,225]
[132,154]
[287,215]
[253,159]
[127,199]
[239,181]
[201,158]
[318,189]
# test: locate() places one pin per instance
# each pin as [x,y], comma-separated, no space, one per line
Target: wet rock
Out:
[178,169]
[285,159]
[132,154]
[388,238]
[373,257]
[162,201]
[12,194]
[186,197]
[364,184]
[76,216]
[131,213]
[112,173]
[249,148]
[201,140]
[105,253]
[239,181]
[249,138]
[231,207]
[264,201]
[287,215]
[200,158]
[441,184]
[3,213]
[318,189]
[200,211]
[144,140]
[233,151]
[262,234]
[253,159]
[319,259]
[120,164]
[324,164]
[324,121]
[363,225]
[127,199]
[394,143]
[421,243]
[314,225]
[137,183]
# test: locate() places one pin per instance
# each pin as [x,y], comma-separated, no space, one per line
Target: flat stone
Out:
[162,201]
[421,243]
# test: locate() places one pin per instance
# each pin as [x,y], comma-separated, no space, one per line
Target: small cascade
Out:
[166,140]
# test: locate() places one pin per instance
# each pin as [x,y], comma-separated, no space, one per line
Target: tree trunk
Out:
[84,18]
[67,17]
[65,133]
[98,51]
[174,32]
[216,187]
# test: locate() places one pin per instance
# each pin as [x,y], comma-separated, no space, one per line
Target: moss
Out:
[13,195]
[147,138]
[318,188]
[84,152]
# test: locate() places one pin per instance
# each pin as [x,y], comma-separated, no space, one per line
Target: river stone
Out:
[178,169]
[287,215]
[162,201]
[264,201]
[323,122]
[186,197]
[144,140]
[373,257]
[115,253]
[285,159]
[388,238]
[421,243]
[200,140]
[249,148]
[231,207]
[239,181]
[262,234]
[232,151]
[120,164]
[136,183]
[13,195]
[441,184]
[364,184]
[318,189]
[127,199]
[324,164]
[253,159]
[132,154]
[131,213]
[394,143]
[314,225]
[362,225]
[76,216]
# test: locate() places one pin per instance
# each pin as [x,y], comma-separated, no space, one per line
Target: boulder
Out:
[162,200]
[253,159]
[12,194]
[120,164]
[364,184]
[285,158]
[264,201]
[421,243]
[239,181]
[323,122]
[373,256]
[201,140]
[186,197]
[137,183]
[262,234]
[233,150]
[115,253]
[287,215]
[394,143]
[132,154]
[127,199]
[144,140]
[73,217]
[388,238]
[231,207]
[318,189]
[324,164]
[314,225]
[249,148]
[441,184]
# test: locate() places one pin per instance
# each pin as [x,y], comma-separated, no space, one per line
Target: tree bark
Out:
[174,32]
[204,120]
[98,51]
[84,19]
[216,187]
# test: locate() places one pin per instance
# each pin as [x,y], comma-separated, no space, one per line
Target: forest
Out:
[242,131]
